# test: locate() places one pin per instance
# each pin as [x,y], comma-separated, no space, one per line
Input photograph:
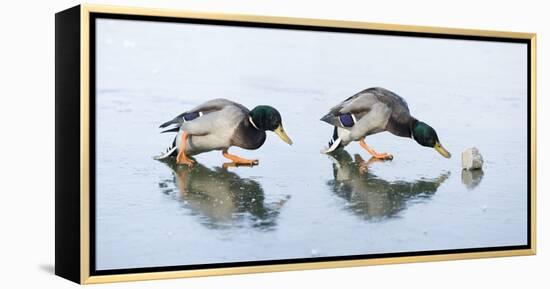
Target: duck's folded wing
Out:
[214,105]
[217,122]
[359,104]
[350,110]
[179,120]
[205,108]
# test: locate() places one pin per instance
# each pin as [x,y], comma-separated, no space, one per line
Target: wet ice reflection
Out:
[220,197]
[372,197]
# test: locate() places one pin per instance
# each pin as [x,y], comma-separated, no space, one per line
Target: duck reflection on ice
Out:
[371,197]
[221,198]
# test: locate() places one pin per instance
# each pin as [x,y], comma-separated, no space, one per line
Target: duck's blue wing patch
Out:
[191,115]
[347,120]
[178,120]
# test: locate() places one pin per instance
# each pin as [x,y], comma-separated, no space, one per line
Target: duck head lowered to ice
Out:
[375,110]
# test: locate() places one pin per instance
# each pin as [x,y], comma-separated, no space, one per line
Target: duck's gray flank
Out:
[219,124]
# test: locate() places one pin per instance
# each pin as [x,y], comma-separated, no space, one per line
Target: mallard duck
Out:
[219,124]
[375,110]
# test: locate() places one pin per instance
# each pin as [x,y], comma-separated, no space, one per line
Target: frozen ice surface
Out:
[297,198]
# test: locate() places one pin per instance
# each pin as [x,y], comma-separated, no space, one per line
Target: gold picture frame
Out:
[73,169]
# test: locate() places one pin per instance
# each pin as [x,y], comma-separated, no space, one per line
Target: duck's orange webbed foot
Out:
[382,156]
[182,159]
[238,161]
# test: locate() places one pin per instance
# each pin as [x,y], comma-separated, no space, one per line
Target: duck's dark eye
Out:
[274,120]
[274,123]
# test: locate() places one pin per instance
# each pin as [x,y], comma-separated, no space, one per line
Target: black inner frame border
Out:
[168,19]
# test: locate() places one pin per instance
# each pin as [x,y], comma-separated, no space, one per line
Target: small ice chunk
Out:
[472,159]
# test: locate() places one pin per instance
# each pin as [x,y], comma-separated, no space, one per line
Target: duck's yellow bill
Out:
[280,131]
[440,149]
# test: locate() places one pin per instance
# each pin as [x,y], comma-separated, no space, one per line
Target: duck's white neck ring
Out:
[252,122]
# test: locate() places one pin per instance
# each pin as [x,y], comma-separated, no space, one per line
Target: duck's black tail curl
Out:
[171,151]
[335,142]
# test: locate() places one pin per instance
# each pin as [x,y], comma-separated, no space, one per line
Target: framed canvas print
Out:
[193,144]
